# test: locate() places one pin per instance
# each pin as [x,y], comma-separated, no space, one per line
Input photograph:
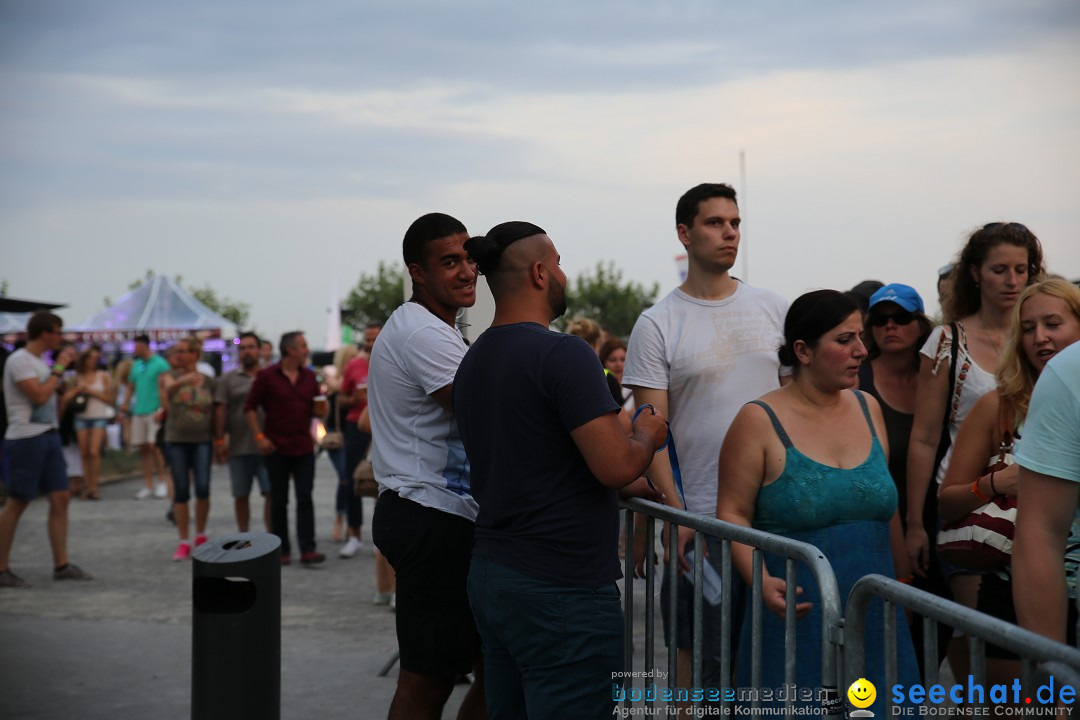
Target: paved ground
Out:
[119,647]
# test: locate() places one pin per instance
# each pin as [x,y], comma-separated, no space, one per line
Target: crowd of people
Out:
[845,419]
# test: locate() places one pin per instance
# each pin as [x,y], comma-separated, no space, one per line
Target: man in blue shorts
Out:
[32,445]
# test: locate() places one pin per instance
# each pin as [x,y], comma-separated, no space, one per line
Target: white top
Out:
[416,449]
[713,357]
[97,409]
[26,420]
[971,382]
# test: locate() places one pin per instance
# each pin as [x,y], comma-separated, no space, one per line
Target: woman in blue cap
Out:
[895,328]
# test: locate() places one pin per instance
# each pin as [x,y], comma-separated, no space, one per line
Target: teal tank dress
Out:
[845,514]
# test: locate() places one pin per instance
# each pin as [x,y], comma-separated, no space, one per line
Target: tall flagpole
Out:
[743,247]
[333,319]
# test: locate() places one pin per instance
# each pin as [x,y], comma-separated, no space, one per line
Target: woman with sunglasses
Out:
[896,327]
[1046,320]
[998,261]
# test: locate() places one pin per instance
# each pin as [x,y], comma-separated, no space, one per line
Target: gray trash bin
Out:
[236,628]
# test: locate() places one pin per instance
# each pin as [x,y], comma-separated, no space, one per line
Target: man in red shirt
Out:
[354,396]
[287,392]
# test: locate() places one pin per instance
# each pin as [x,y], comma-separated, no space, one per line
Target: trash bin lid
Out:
[237,547]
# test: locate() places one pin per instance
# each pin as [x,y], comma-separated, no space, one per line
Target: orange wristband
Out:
[975,490]
[260,436]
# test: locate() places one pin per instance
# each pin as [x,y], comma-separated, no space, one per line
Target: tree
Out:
[603,296]
[374,297]
[234,311]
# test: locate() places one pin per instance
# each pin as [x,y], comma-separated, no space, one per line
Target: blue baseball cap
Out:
[903,295]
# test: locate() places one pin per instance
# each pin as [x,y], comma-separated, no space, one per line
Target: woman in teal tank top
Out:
[810,461]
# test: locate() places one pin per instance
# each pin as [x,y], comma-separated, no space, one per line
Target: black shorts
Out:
[430,551]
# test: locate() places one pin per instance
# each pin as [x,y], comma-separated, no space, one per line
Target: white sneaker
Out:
[351,547]
[161,490]
[143,493]
[382,598]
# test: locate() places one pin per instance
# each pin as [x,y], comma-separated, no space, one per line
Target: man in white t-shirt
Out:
[1049,460]
[697,356]
[32,445]
[423,521]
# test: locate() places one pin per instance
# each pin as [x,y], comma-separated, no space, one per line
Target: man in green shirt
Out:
[142,392]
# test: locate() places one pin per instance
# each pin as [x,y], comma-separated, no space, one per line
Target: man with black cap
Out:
[548,456]
[423,522]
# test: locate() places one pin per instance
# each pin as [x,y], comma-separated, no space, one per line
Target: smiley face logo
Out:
[862,693]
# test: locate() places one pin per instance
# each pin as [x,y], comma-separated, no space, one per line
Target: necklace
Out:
[989,337]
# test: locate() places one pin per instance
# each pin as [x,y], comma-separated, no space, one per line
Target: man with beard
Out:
[423,520]
[240,451]
[548,456]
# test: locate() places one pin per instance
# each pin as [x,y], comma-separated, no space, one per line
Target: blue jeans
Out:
[549,650]
[187,458]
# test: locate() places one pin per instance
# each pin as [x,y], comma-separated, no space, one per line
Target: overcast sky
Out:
[265,147]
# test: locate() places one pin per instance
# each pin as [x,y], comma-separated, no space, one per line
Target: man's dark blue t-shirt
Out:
[519,392]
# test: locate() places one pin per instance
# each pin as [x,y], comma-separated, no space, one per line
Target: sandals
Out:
[91,496]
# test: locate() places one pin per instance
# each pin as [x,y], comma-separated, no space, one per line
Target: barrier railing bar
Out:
[673,597]
[755,639]
[628,603]
[829,598]
[930,651]
[699,601]
[977,656]
[650,587]
[725,618]
[891,670]
[979,627]
[789,630]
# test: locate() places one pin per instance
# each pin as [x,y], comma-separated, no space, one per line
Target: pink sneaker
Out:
[200,539]
[183,552]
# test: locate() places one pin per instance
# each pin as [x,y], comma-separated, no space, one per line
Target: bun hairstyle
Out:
[487,250]
[811,316]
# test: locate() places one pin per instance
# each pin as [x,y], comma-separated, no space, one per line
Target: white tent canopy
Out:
[160,308]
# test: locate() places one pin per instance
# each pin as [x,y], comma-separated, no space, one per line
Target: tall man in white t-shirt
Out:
[424,517]
[32,445]
[697,356]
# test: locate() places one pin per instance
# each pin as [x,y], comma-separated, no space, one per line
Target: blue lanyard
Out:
[669,443]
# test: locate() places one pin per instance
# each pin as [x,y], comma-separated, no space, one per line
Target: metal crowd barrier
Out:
[979,628]
[793,550]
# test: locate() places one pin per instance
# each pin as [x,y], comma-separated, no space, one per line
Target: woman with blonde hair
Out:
[1045,321]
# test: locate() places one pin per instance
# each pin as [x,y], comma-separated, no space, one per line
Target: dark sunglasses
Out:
[900,318]
[996,225]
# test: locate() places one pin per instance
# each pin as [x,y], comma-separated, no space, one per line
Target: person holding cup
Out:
[289,395]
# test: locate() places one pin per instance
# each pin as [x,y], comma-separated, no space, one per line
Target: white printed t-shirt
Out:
[713,357]
[26,420]
[416,448]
